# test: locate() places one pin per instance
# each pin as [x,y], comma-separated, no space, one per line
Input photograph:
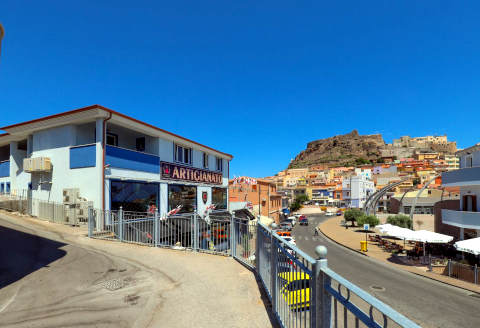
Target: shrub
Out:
[372,220]
[400,220]
[353,215]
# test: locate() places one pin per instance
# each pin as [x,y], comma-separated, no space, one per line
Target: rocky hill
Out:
[342,150]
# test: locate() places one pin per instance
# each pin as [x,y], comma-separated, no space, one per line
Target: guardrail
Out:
[304,292]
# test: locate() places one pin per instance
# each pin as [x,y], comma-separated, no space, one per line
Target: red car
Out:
[303,220]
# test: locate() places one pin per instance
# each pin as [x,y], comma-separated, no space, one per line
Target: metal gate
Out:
[244,236]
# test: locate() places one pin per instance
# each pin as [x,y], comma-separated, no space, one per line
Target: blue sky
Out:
[257,79]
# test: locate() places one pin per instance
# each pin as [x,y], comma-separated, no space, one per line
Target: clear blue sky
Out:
[257,79]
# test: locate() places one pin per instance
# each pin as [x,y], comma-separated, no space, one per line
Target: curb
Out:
[338,243]
[412,272]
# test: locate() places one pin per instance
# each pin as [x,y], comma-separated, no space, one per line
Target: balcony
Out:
[133,160]
[4,169]
[462,219]
[463,177]
[83,156]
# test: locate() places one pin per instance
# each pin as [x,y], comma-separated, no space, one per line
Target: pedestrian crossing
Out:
[306,238]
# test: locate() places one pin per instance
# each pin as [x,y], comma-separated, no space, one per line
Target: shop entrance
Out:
[134,196]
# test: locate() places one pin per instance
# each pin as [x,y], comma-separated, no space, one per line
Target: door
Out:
[470,203]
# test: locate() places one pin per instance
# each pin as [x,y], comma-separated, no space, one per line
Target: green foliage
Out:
[400,220]
[372,220]
[302,198]
[295,206]
[353,215]
[380,161]
[362,161]
[416,181]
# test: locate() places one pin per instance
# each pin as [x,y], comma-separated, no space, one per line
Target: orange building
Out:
[261,193]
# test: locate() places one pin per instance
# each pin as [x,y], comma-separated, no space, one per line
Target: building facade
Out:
[356,190]
[110,160]
[466,216]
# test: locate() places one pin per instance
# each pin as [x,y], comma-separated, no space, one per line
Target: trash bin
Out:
[363,245]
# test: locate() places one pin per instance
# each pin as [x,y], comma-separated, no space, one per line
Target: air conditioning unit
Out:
[37,164]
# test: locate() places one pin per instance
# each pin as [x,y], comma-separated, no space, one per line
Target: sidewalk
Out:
[164,288]
[351,239]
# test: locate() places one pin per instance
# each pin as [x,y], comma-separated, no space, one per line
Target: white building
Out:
[467,216]
[111,160]
[356,190]
[366,172]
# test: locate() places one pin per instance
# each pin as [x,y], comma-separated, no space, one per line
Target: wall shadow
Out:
[22,253]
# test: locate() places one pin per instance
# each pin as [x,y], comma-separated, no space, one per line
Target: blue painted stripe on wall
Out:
[84,156]
[5,169]
[132,160]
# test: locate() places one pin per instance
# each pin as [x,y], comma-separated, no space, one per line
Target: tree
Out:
[295,206]
[400,220]
[371,220]
[302,198]
[416,181]
[362,161]
[352,215]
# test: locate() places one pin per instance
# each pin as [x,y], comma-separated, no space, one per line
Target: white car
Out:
[290,240]
[292,220]
[329,214]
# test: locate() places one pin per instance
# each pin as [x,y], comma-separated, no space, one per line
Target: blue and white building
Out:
[110,160]
[356,190]
[467,216]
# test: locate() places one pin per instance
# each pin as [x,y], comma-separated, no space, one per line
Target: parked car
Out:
[286,225]
[292,220]
[339,213]
[284,233]
[290,240]
[296,289]
[303,220]
[329,214]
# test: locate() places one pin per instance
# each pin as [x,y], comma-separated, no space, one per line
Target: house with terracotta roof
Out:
[111,160]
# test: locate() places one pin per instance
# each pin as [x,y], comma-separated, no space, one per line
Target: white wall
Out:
[19,178]
[470,190]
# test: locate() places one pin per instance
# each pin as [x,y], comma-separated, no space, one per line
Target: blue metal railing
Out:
[306,293]
[132,160]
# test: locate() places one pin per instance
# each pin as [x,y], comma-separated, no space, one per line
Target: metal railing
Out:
[304,292]
[21,202]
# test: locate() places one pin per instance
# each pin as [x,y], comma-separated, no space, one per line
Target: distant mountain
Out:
[342,150]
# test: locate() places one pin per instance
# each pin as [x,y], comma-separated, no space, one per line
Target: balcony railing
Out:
[463,177]
[128,159]
[462,219]
[4,169]
[83,156]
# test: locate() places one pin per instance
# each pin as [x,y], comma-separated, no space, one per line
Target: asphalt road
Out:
[427,302]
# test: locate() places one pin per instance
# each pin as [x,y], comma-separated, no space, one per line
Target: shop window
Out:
[219,198]
[205,161]
[219,166]
[182,195]
[112,139]
[183,155]
[133,196]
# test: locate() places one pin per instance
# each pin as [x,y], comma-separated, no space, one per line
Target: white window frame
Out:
[218,160]
[205,159]
[176,156]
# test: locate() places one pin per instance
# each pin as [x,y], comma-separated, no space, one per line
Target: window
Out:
[133,196]
[182,195]
[219,198]
[112,139]
[469,161]
[219,166]
[140,144]
[205,161]
[183,155]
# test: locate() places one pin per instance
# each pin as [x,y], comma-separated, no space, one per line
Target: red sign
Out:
[185,173]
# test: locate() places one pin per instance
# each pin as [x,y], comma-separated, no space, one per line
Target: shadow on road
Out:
[22,253]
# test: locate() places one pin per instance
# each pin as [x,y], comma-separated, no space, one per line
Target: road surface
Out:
[427,302]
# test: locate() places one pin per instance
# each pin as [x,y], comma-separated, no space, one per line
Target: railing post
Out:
[429,262]
[476,274]
[120,224]
[155,228]
[90,221]
[273,269]
[449,268]
[232,235]
[320,304]
[195,232]
[257,249]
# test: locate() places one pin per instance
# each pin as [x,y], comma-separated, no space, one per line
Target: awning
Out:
[469,246]
[423,236]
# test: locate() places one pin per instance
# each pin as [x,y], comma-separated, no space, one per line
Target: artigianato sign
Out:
[178,172]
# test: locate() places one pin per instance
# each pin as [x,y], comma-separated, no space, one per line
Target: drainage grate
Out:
[378,288]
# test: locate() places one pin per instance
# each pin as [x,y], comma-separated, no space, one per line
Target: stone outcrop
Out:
[341,150]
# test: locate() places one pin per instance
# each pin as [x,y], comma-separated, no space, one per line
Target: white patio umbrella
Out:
[426,236]
[469,246]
